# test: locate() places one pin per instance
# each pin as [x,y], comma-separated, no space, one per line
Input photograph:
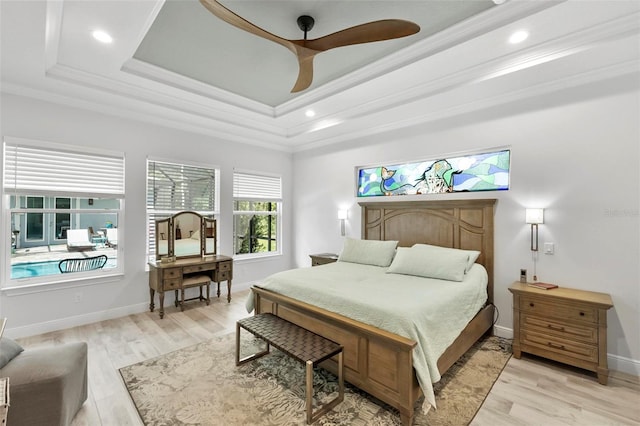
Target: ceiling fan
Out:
[305,50]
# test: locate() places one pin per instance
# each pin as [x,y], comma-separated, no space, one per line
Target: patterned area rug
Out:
[200,385]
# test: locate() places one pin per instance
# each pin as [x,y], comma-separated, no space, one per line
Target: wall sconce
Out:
[343,215]
[534,217]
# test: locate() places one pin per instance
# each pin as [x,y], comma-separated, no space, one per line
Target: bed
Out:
[376,360]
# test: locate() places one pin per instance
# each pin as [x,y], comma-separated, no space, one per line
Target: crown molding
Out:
[541,53]
[151,115]
[576,80]
[168,78]
[218,113]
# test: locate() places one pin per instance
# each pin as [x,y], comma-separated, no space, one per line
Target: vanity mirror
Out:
[162,238]
[188,234]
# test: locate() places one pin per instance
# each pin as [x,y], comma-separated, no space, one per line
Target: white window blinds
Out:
[175,187]
[41,168]
[253,186]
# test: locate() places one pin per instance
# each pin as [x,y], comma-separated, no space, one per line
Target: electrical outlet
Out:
[77,297]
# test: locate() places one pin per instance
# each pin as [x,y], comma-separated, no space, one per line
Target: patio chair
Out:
[112,237]
[82,264]
[78,240]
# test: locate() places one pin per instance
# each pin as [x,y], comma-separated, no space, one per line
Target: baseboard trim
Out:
[74,321]
[503,332]
[624,365]
[78,320]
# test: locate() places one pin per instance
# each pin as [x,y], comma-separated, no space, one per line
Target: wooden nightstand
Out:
[562,324]
[323,258]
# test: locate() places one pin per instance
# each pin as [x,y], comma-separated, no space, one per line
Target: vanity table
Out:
[187,258]
[186,273]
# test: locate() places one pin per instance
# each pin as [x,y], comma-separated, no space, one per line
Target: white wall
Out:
[574,153]
[43,310]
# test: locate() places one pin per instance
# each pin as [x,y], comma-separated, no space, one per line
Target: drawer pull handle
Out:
[553,345]
[555,327]
[581,314]
[531,304]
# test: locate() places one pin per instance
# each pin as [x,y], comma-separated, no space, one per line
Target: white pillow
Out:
[429,262]
[472,254]
[368,252]
[196,235]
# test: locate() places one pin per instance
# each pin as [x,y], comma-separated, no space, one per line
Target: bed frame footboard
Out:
[376,361]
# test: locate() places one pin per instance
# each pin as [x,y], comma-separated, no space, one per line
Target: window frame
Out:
[49,210]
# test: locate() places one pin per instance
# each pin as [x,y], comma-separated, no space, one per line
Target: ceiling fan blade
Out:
[305,73]
[228,16]
[385,29]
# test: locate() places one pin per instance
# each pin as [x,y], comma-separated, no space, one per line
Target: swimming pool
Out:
[40,269]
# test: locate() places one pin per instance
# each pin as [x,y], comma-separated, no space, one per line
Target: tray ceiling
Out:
[188,40]
[174,64]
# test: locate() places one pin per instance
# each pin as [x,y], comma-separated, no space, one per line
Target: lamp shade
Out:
[534,216]
[343,214]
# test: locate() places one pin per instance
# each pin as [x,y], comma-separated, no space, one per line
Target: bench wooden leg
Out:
[311,416]
[249,357]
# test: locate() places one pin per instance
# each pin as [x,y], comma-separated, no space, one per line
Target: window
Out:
[172,188]
[257,209]
[50,189]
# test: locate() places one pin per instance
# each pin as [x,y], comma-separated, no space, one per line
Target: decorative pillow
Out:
[472,254]
[429,262]
[8,350]
[196,235]
[368,252]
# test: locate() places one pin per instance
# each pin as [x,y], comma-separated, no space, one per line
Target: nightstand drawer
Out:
[224,266]
[171,284]
[586,334]
[558,310]
[198,268]
[567,348]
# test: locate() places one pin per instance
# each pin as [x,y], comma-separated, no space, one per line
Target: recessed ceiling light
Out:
[518,37]
[310,113]
[102,36]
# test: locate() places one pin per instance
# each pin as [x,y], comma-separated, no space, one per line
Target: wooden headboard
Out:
[463,224]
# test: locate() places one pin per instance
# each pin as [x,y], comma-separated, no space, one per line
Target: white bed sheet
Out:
[430,311]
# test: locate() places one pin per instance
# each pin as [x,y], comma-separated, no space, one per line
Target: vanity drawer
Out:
[222,276]
[172,284]
[225,266]
[586,333]
[544,309]
[172,273]
[198,268]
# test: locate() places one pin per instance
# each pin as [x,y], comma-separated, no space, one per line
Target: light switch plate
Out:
[549,248]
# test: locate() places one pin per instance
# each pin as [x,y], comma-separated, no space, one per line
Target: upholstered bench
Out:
[298,343]
[47,385]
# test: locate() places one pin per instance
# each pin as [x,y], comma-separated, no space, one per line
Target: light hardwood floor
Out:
[529,391]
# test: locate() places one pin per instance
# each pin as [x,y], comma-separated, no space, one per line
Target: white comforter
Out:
[430,311]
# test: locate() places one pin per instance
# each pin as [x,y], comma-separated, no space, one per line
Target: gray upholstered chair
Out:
[47,386]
